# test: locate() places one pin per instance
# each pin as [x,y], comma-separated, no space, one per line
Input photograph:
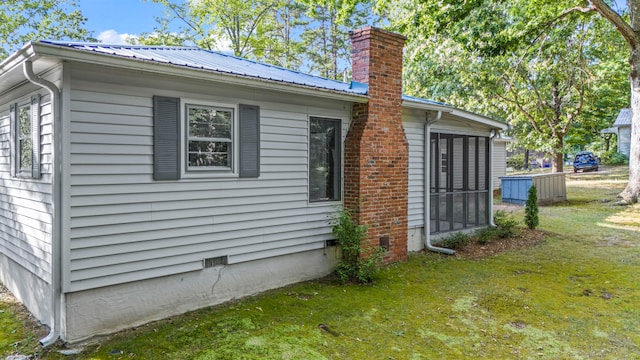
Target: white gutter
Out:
[56,281]
[427,187]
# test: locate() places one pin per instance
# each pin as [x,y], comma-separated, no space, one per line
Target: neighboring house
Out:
[140,182]
[622,128]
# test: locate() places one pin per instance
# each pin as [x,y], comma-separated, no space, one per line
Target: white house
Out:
[140,182]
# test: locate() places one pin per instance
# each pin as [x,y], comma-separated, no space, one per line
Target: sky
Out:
[112,20]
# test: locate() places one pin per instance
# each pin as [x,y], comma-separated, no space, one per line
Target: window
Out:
[209,138]
[25,138]
[206,140]
[24,143]
[325,160]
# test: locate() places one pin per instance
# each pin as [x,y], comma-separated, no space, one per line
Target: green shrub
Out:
[484,236]
[612,157]
[505,224]
[505,228]
[516,161]
[455,241]
[531,208]
[357,264]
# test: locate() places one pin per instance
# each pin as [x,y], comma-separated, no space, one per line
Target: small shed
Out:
[551,188]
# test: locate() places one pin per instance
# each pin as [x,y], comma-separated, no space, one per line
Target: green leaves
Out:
[528,62]
[22,21]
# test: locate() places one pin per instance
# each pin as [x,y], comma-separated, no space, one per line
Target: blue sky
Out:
[112,20]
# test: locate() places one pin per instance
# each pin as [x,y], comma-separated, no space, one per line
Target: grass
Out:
[576,296]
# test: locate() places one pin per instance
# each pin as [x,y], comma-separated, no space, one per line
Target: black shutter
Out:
[249,141]
[35,136]
[13,126]
[166,140]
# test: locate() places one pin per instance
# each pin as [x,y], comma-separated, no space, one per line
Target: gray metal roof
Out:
[624,118]
[194,57]
[423,101]
[197,58]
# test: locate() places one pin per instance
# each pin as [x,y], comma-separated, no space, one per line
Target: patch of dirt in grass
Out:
[526,238]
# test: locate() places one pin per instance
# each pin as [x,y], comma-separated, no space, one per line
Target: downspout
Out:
[427,186]
[56,282]
[492,136]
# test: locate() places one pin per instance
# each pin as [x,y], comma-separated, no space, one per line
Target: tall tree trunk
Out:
[632,192]
[557,162]
[557,156]
[526,159]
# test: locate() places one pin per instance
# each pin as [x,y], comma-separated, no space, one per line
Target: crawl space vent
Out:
[215,261]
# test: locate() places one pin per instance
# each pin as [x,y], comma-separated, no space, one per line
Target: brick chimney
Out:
[376,148]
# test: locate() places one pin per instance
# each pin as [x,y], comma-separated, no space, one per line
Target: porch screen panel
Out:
[459,183]
[483,214]
[472,209]
[434,205]
[446,212]
[473,167]
[459,211]
[444,173]
[434,168]
[483,151]
[458,164]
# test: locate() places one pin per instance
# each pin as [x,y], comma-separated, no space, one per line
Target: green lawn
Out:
[576,296]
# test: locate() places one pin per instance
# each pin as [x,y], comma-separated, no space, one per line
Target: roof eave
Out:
[17,58]
[44,49]
[481,119]
[424,106]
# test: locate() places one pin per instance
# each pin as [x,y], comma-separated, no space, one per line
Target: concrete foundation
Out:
[33,292]
[113,308]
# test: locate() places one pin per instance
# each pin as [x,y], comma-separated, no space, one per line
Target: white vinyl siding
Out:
[124,226]
[414,131]
[624,140]
[25,203]
[498,162]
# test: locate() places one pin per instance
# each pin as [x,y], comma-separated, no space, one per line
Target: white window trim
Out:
[343,135]
[187,173]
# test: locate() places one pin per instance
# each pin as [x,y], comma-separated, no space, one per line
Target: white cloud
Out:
[113,38]
[223,46]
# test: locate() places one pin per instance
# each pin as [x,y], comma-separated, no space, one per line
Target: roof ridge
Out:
[120,46]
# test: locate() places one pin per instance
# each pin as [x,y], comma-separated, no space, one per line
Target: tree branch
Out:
[616,20]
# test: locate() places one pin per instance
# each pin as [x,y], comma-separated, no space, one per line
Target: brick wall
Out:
[376,148]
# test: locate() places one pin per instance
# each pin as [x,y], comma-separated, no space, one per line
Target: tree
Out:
[522,61]
[531,218]
[216,23]
[22,21]
[284,48]
[547,87]
[630,31]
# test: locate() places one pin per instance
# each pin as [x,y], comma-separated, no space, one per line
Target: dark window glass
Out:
[24,138]
[325,162]
[209,138]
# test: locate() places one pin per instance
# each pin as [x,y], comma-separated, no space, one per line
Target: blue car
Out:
[585,160]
